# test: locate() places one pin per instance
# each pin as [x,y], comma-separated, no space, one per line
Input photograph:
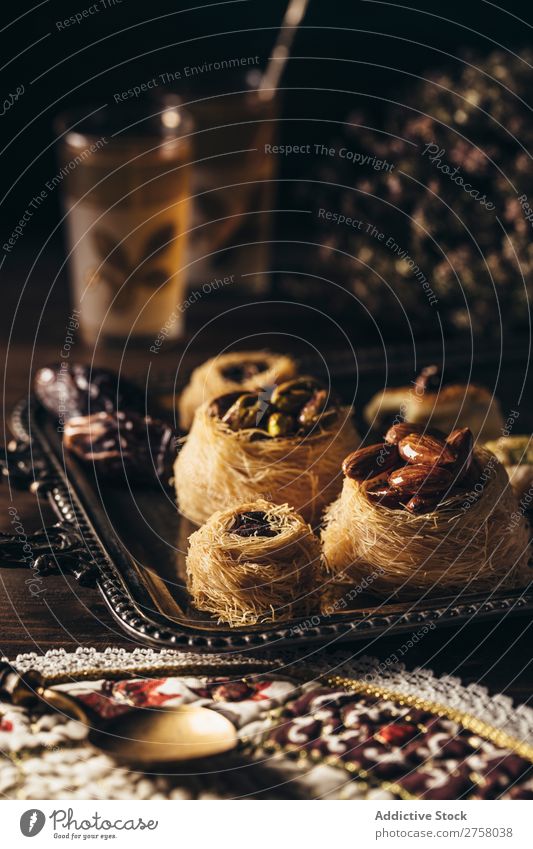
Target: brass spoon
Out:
[30,689]
[141,737]
[164,736]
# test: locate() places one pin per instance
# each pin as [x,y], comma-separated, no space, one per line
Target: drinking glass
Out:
[233,180]
[125,175]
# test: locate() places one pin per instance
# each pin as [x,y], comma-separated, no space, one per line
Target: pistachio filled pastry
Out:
[285,445]
[232,372]
[516,454]
[440,405]
[258,562]
[425,512]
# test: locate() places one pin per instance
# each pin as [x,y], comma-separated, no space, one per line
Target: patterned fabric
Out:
[408,751]
[305,740]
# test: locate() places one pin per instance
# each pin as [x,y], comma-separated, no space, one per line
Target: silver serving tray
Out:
[131,547]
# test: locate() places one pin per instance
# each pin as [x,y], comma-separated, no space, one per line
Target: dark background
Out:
[129,42]
[347,55]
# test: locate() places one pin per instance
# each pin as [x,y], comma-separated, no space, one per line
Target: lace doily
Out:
[497,710]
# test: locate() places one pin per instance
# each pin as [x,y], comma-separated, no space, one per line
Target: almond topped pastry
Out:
[444,406]
[426,513]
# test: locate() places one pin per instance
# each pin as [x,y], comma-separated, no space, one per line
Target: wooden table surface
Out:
[498,655]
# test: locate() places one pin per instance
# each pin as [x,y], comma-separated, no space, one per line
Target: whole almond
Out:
[421,504]
[426,449]
[421,479]
[471,477]
[385,496]
[461,443]
[370,461]
[398,431]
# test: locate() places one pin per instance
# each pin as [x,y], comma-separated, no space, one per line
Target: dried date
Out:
[122,444]
[429,379]
[74,389]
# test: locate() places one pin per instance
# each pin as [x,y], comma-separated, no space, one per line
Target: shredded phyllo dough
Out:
[476,539]
[246,580]
[208,381]
[218,468]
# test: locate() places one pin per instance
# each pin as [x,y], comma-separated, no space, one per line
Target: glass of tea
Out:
[233,179]
[125,177]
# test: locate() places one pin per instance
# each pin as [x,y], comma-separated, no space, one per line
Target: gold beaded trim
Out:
[362,775]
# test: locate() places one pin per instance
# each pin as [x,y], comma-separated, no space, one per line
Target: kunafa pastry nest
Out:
[516,454]
[439,404]
[286,447]
[256,563]
[422,539]
[231,372]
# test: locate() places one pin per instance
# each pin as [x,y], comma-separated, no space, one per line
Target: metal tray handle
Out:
[55,550]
